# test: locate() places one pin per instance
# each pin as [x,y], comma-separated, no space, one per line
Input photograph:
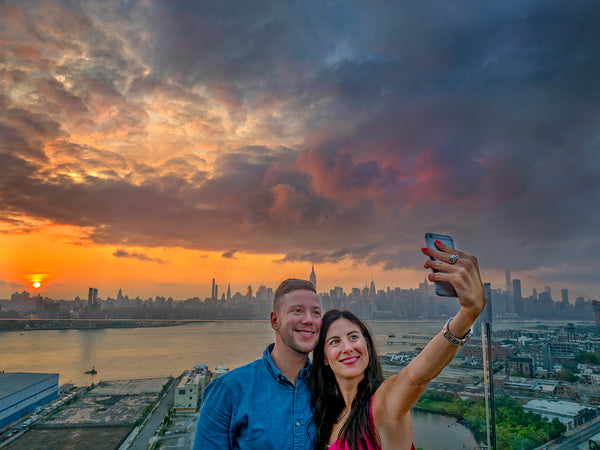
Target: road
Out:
[576,439]
[151,426]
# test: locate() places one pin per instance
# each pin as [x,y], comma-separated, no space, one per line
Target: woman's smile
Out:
[346,349]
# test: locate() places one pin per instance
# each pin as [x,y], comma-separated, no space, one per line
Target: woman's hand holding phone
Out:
[462,275]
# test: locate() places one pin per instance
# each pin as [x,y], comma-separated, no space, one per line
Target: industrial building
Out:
[190,390]
[569,413]
[21,393]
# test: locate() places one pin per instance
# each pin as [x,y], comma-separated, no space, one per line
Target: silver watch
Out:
[453,339]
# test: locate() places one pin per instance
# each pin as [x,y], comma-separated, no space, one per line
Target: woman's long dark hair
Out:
[327,401]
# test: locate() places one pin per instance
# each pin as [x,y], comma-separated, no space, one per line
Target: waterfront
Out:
[161,352]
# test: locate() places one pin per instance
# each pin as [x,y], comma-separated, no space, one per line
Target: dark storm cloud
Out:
[372,122]
[354,252]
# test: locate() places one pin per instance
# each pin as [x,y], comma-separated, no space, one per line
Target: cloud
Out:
[372,254]
[120,253]
[229,254]
[326,132]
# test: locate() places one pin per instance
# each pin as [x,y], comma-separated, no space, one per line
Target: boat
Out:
[392,335]
[93,371]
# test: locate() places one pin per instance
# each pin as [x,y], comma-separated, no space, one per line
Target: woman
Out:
[354,407]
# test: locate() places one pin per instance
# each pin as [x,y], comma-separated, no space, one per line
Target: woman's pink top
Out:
[337,445]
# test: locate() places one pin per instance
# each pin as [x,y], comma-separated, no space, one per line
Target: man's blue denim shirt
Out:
[256,407]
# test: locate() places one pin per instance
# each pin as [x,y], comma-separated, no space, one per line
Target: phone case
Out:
[442,288]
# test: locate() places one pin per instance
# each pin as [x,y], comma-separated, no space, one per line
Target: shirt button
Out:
[297,424]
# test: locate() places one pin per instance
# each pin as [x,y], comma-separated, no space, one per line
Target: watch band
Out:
[453,339]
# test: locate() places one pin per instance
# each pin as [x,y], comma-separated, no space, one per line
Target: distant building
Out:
[474,349]
[569,413]
[532,386]
[313,277]
[21,393]
[219,370]
[92,299]
[522,365]
[517,297]
[596,306]
[188,393]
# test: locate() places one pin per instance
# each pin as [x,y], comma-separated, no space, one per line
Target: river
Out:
[131,353]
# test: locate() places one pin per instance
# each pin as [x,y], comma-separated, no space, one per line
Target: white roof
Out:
[554,408]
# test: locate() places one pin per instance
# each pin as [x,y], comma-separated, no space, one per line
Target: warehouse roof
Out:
[11,383]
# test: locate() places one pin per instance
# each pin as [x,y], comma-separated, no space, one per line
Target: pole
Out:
[488,333]
[485,384]
[487,313]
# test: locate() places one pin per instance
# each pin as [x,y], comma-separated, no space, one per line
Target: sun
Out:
[36,284]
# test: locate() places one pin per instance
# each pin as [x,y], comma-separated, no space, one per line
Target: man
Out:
[266,404]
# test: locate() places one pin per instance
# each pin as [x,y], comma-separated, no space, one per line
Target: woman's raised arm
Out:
[399,393]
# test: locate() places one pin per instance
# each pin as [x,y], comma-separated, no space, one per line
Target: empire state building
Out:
[313,277]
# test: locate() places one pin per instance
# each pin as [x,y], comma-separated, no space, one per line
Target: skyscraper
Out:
[313,277]
[517,296]
[508,283]
[212,292]
[93,298]
[565,295]
[372,290]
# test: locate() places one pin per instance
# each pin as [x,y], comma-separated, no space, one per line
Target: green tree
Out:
[566,374]
[515,428]
[588,358]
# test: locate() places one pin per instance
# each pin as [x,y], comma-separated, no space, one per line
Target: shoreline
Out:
[26,325]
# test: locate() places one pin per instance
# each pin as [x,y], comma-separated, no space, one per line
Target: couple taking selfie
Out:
[340,401]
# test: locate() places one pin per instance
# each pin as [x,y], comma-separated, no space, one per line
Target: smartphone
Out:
[442,288]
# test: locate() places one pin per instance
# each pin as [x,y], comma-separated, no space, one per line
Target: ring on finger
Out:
[453,259]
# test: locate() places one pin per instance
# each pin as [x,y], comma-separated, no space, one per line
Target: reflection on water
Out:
[159,352]
[434,431]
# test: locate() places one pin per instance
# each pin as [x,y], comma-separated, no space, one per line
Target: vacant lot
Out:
[105,410]
[100,418]
[106,438]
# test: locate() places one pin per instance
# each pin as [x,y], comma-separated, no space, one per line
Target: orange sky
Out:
[66,265]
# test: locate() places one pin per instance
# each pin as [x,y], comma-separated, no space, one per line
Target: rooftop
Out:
[11,383]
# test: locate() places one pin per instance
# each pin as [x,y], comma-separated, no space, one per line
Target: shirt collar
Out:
[274,371]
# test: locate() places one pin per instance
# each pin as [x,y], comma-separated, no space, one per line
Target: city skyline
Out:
[219,291]
[155,145]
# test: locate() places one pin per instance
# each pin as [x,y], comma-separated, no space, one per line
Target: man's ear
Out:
[274,321]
